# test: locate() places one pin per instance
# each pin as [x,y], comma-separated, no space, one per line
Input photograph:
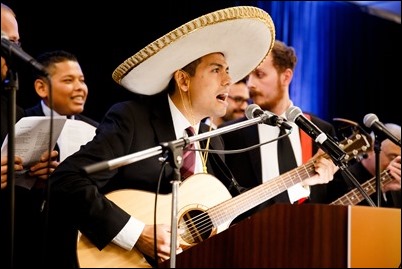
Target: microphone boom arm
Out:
[144,154]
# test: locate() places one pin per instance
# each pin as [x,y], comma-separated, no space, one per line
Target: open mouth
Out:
[222,97]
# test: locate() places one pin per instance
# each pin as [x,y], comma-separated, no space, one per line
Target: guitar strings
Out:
[201,224]
[355,196]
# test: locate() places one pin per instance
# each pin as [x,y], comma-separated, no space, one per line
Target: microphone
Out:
[254,111]
[371,121]
[10,48]
[327,144]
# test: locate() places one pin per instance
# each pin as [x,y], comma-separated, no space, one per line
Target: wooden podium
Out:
[303,236]
[374,236]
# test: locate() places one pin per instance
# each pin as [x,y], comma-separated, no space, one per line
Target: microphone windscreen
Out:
[292,113]
[369,119]
[250,111]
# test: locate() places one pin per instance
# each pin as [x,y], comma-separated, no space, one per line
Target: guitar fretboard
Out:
[228,210]
[354,196]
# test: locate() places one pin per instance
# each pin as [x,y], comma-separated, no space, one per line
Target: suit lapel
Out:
[251,138]
[161,119]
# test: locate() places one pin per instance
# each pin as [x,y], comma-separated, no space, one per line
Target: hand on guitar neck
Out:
[324,170]
[394,169]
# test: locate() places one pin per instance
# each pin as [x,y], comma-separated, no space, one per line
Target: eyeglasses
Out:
[240,100]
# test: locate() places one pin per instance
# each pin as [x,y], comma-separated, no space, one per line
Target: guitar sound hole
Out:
[195,226]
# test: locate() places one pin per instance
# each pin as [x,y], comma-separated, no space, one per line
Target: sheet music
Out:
[32,140]
[32,137]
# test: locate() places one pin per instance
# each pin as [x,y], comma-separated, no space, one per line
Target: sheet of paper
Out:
[32,136]
[74,134]
[32,139]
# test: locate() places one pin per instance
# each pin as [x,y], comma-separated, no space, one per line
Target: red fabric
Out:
[306,144]
[187,169]
[307,150]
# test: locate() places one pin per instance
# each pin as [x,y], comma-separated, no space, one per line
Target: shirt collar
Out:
[46,110]
[180,122]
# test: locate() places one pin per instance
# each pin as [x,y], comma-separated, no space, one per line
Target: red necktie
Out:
[187,169]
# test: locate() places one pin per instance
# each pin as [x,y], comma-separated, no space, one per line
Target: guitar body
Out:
[195,195]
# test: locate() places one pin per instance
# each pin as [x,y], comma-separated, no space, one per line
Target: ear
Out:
[41,88]
[287,76]
[182,80]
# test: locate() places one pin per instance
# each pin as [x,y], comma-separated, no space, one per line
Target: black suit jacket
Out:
[19,113]
[37,111]
[7,208]
[76,200]
[246,167]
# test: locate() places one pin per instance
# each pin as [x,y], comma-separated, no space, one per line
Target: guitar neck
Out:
[354,196]
[229,209]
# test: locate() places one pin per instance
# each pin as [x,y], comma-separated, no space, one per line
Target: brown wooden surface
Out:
[298,236]
[375,237]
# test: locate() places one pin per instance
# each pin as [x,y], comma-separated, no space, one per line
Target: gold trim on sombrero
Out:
[210,19]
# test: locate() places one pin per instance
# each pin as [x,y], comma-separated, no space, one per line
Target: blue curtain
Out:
[344,58]
[306,26]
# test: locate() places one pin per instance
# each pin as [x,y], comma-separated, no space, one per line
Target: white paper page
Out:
[74,134]
[31,141]
[32,137]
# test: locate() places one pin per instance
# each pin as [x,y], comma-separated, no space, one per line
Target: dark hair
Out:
[190,69]
[283,56]
[48,59]
[243,80]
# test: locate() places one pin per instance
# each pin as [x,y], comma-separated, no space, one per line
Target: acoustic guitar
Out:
[205,208]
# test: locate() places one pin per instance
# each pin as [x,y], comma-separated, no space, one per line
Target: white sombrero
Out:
[244,34]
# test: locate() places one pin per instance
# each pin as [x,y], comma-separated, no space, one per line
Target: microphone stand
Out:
[377,150]
[147,153]
[342,165]
[174,151]
[352,179]
[11,85]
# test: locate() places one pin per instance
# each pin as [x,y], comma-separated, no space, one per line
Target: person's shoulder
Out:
[230,122]
[126,104]
[19,111]
[139,105]
[35,110]
[87,120]
[324,125]
[317,120]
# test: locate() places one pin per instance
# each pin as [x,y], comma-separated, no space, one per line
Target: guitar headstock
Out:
[356,146]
